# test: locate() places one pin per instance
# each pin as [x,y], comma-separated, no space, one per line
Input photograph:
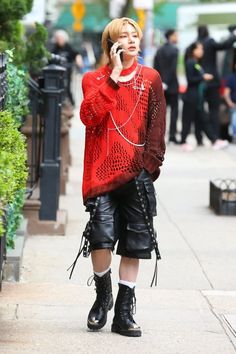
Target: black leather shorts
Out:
[124,215]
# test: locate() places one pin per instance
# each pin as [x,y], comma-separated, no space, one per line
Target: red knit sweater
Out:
[125,128]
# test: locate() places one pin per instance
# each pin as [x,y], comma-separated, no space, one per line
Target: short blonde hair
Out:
[113,30]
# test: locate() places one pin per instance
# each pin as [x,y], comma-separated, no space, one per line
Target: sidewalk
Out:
[186,313]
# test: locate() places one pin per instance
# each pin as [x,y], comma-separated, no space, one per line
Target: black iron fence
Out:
[3,90]
[3,79]
[53,91]
[42,128]
[33,127]
[33,130]
[2,251]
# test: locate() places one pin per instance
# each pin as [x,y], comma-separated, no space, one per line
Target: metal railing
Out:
[3,90]
[53,93]
[33,129]
[42,128]
[3,79]
[2,251]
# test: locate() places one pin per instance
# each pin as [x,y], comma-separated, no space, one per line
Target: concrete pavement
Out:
[191,311]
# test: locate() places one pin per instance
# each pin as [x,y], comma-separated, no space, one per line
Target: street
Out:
[191,311]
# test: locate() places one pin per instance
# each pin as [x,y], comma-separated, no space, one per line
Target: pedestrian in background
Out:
[165,62]
[209,64]
[227,67]
[230,98]
[229,56]
[124,113]
[62,47]
[193,107]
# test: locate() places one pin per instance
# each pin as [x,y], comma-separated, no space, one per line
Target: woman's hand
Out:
[207,77]
[116,61]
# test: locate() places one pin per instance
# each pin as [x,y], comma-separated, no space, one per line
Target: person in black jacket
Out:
[193,109]
[209,64]
[63,48]
[165,62]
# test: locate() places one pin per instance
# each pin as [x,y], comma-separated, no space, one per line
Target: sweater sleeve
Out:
[98,100]
[155,140]
[226,44]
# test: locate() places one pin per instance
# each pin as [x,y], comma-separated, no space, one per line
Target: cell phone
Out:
[110,44]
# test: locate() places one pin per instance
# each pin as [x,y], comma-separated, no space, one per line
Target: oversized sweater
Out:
[125,128]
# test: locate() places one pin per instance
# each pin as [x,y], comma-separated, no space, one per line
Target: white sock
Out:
[130,284]
[100,274]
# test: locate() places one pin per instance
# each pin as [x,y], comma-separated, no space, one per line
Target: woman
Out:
[193,110]
[124,114]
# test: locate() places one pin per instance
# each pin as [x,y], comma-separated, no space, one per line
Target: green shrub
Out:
[30,56]
[31,52]
[36,55]
[13,172]
[14,217]
[11,36]
[5,175]
[14,9]
[17,100]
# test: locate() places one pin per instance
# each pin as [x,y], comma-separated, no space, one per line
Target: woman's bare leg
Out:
[129,269]
[101,260]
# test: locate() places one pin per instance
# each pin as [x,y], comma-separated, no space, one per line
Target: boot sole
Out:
[126,332]
[96,327]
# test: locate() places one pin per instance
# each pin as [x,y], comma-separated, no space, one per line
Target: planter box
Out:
[11,269]
[223,196]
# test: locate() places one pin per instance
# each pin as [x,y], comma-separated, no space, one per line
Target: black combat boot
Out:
[97,317]
[123,322]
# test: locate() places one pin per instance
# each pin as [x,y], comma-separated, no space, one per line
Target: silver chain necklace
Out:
[135,87]
[121,134]
[141,89]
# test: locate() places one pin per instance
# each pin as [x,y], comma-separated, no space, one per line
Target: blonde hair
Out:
[114,29]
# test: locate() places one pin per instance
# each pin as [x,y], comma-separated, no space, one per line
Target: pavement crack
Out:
[16,312]
[221,322]
[187,243]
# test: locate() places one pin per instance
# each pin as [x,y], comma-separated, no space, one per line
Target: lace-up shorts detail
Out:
[124,216]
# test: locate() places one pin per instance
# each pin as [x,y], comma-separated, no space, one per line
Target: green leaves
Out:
[11,36]
[36,53]
[13,172]
[17,100]
[31,52]
[14,216]
[14,9]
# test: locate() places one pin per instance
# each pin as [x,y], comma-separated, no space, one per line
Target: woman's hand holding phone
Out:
[116,59]
[115,48]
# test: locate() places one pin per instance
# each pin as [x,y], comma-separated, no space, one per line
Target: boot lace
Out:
[131,310]
[133,305]
[101,290]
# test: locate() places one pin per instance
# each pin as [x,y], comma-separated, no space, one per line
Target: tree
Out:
[28,52]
